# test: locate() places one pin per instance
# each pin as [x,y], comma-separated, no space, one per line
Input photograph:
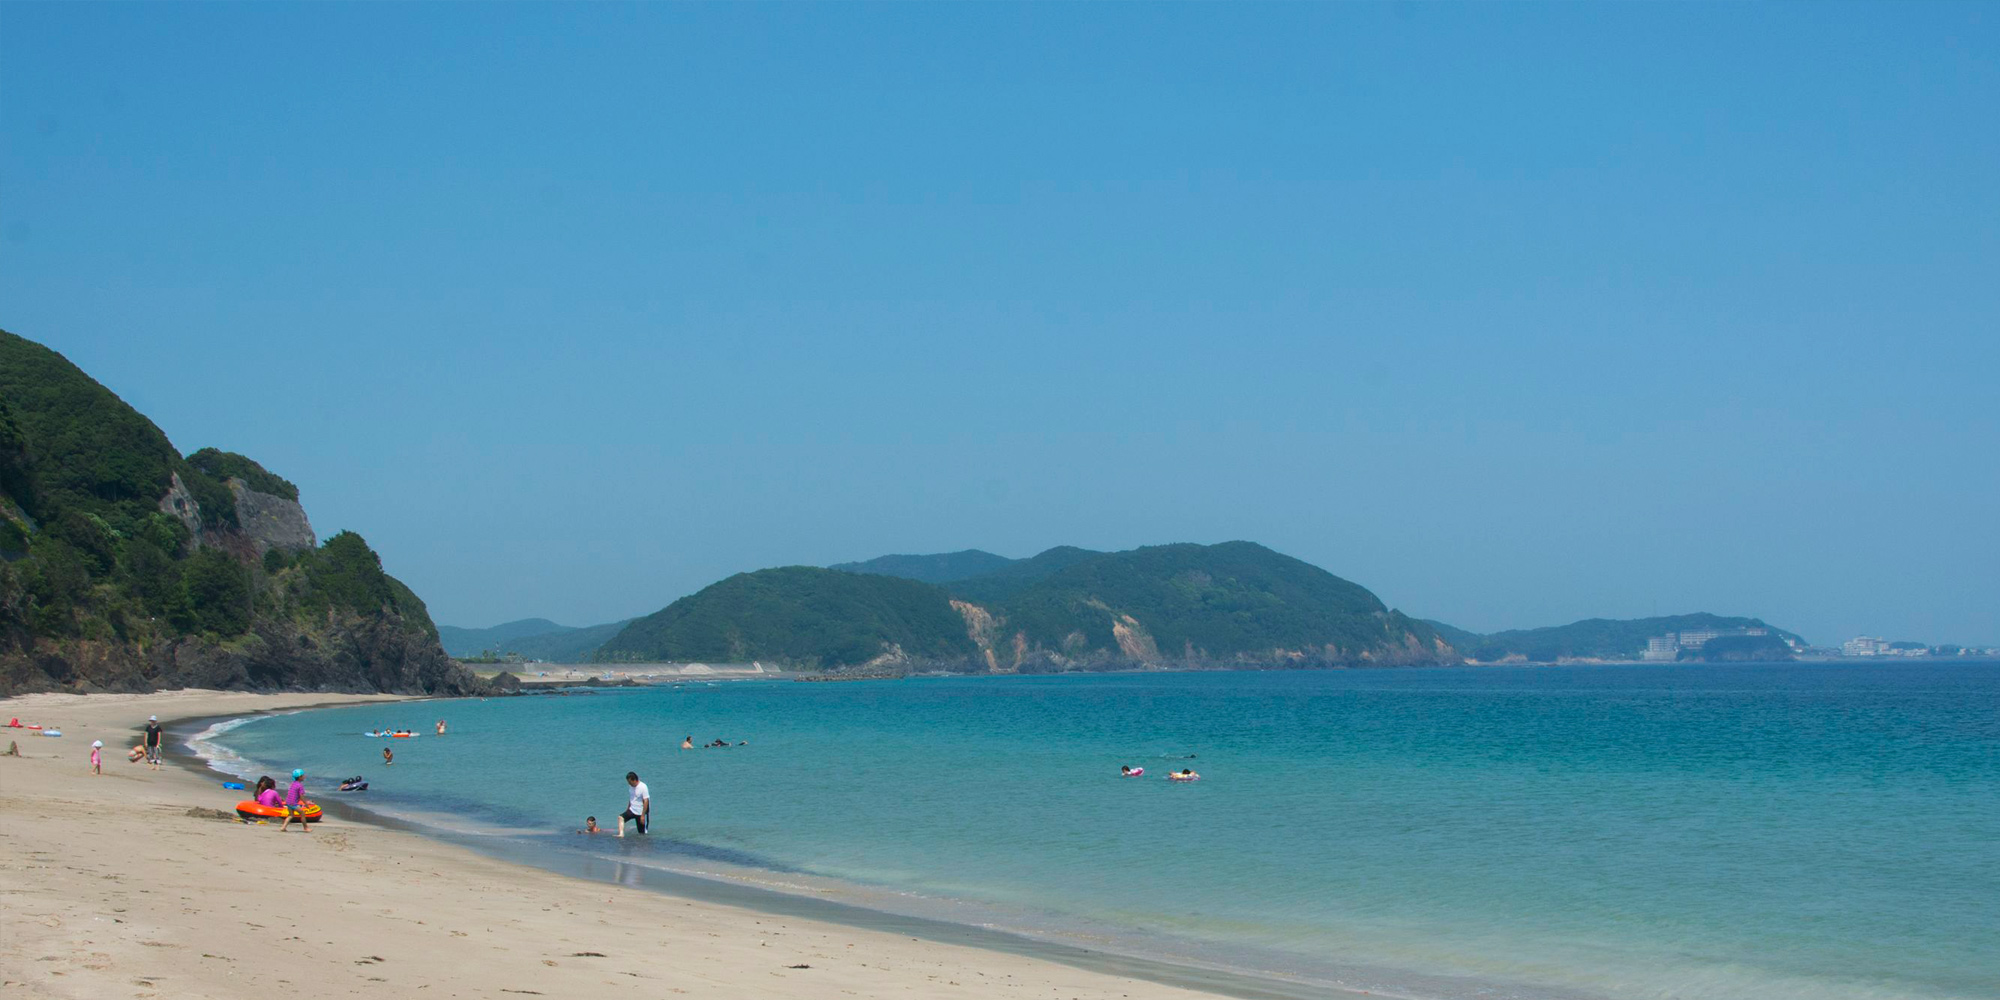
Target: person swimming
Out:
[1128,771]
[1184,774]
[590,825]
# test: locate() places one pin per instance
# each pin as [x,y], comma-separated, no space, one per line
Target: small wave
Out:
[215,755]
[220,758]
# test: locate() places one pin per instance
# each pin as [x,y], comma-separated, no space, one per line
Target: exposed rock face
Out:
[179,502]
[980,627]
[892,657]
[271,522]
[1133,640]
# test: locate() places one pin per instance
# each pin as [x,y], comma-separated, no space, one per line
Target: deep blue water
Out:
[1824,831]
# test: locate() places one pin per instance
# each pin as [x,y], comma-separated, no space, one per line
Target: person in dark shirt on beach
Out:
[154,737]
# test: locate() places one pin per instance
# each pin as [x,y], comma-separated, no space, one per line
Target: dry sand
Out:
[112,889]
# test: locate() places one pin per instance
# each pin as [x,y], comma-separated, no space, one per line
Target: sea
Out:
[1759,831]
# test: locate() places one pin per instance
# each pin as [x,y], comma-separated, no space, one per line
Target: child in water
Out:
[388,756]
[590,825]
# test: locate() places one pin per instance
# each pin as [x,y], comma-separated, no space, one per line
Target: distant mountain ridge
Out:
[531,638]
[1183,605]
[473,641]
[941,568]
[1022,573]
[1604,638]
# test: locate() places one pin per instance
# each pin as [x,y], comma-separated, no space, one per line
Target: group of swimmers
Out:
[389,755]
[386,731]
[687,743]
[1184,774]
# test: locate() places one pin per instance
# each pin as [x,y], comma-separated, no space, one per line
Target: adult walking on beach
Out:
[639,808]
[154,737]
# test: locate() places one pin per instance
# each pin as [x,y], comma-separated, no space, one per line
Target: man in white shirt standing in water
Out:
[640,808]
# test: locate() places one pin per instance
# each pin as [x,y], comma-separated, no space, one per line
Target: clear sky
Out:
[1515,314]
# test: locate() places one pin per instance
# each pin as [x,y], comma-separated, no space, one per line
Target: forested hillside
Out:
[1235,604]
[801,616]
[127,566]
[943,567]
[1615,639]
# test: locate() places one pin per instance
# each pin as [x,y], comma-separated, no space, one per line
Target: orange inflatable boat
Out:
[251,812]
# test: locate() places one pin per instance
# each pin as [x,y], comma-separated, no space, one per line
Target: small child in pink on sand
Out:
[97,756]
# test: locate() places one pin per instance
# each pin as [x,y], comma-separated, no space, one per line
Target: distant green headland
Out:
[1184,606]
[1669,637]
[1181,606]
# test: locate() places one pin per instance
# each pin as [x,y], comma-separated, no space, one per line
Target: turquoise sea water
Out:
[1761,831]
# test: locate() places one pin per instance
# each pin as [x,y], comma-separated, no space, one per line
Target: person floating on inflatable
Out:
[1128,771]
[1185,774]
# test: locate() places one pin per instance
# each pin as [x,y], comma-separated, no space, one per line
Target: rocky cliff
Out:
[349,653]
[125,566]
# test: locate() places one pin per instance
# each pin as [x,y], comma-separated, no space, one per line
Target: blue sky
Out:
[1515,314]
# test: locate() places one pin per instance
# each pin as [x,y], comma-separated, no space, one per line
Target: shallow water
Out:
[1824,831]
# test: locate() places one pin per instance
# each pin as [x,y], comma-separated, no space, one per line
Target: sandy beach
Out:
[113,888]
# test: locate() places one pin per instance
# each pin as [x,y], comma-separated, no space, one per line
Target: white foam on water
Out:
[215,755]
[206,745]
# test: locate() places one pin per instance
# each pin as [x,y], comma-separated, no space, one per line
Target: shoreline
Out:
[797,903]
[69,904]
